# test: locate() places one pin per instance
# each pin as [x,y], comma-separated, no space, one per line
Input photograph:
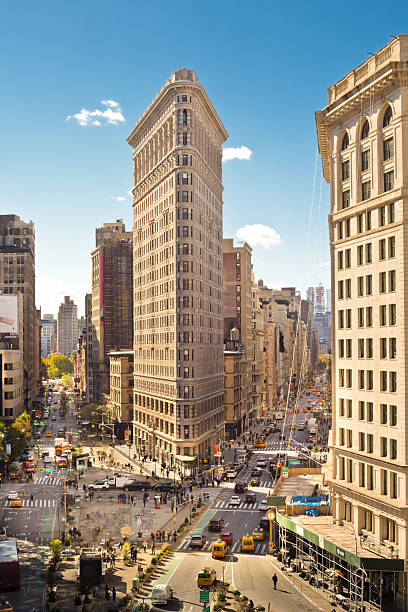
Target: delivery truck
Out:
[9,565]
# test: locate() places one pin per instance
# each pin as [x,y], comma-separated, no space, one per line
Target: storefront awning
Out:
[186,458]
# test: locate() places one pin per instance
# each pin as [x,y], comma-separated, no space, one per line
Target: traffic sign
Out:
[204,595]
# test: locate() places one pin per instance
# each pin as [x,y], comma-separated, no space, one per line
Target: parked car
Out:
[137,485]
[101,485]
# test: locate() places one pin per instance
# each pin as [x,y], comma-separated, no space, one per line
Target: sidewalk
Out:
[320,602]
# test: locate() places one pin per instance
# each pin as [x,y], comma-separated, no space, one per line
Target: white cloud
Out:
[236,153]
[259,235]
[118,198]
[110,103]
[111,115]
[130,194]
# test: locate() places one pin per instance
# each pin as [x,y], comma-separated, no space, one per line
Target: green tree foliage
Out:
[67,380]
[56,548]
[94,412]
[58,365]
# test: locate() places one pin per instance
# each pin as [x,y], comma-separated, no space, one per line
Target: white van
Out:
[161,594]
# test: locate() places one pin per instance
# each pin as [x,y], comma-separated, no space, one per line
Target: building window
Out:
[340,260]
[368,220]
[346,197]
[388,180]
[361,379]
[362,474]
[382,279]
[370,380]
[185,160]
[349,438]
[361,348]
[391,247]
[388,148]
[341,441]
[349,409]
[185,213]
[350,378]
[383,446]
[360,286]
[391,213]
[365,130]
[382,249]
[340,290]
[184,117]
[383,315]
[361,411]
[370,484]
[349,479]
[369,284]
[393,314]
[340,230]
[348,349]
[348,318]
[393,416]
[341,349]
[394,485]
[348,288]
[369,342]
[360,255]
[341,319]
[369,252]
[393,382]
[392,281]
[345,170]
[393,348]
[387,117]
[393,449]
[369,316]
[185,178]
[365,160]
[370,443]
[347,263]
[185,231]
[345,142]
[360,224]
[184,138]
[341,407]
[361,317]
[383,380]
[342,468]
[341,378]
[384,482]
[366,190]
[185,196]
[383,348]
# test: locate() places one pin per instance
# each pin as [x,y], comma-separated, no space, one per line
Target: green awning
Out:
[367,563]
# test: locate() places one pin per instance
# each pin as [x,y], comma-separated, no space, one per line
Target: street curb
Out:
[284,575]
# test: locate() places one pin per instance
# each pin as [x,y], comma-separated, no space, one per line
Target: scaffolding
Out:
[356,588]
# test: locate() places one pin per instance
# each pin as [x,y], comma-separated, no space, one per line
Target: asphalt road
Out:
[34,524]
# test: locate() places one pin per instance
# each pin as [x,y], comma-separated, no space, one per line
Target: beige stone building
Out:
[177,260]
[363,142]
[257,353]
[121,393]
[67,326]
[237,304]
[12,379]
[17,276]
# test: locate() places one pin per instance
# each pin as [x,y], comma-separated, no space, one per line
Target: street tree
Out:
[58,365]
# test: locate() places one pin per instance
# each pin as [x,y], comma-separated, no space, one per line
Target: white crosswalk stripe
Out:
[37,503]
[47,480]
[234,547]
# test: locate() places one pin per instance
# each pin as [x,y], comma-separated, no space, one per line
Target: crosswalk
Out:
[242,506]
[47,480]
[36,503]
[260,547]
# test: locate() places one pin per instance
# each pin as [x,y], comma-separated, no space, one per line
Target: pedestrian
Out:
[163,539]
[84,488]
[152,536]
[32,498]
[153,549]
[144,502]
[113,593]
[168,536]
[107,595]
[274,580]
[113,559]
[174,536]
[144,546]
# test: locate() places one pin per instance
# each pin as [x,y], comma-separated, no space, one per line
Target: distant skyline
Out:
[76,77]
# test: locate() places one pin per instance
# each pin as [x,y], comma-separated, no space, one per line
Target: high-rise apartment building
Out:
[48,335]
[67,327]
[112,320]
[177,259]
[237,316]
[17,275]
[363,142]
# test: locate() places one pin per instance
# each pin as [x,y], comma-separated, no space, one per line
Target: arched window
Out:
[184,117]
[387,117]
[345,142]
[365,130]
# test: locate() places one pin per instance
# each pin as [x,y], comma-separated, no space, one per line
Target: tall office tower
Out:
[112,293]
[87,375]
[17,275]
[363,142]
[319,300]
[48,335]
[177,239]
[238,350]
[67,327]
[81,325]
[310,296]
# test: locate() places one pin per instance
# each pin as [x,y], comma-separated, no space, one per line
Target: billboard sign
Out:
[8,314]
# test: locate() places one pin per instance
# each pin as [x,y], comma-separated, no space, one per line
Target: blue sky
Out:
[265,66]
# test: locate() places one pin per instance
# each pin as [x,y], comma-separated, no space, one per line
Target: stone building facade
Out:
[121,394]
[67,327]
[363,140]
[177,259]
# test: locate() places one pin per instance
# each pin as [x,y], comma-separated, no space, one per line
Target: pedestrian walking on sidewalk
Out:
[144,546]
[153,549]
[274,580]
[113,593]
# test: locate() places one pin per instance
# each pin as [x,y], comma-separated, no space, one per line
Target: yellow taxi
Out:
[219,549]
[260,445]
[48,434]
[247,544]
[258,533]
[309,401]
[304,409]
[286,442]
[16,503]
[293,426]
[206,576]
